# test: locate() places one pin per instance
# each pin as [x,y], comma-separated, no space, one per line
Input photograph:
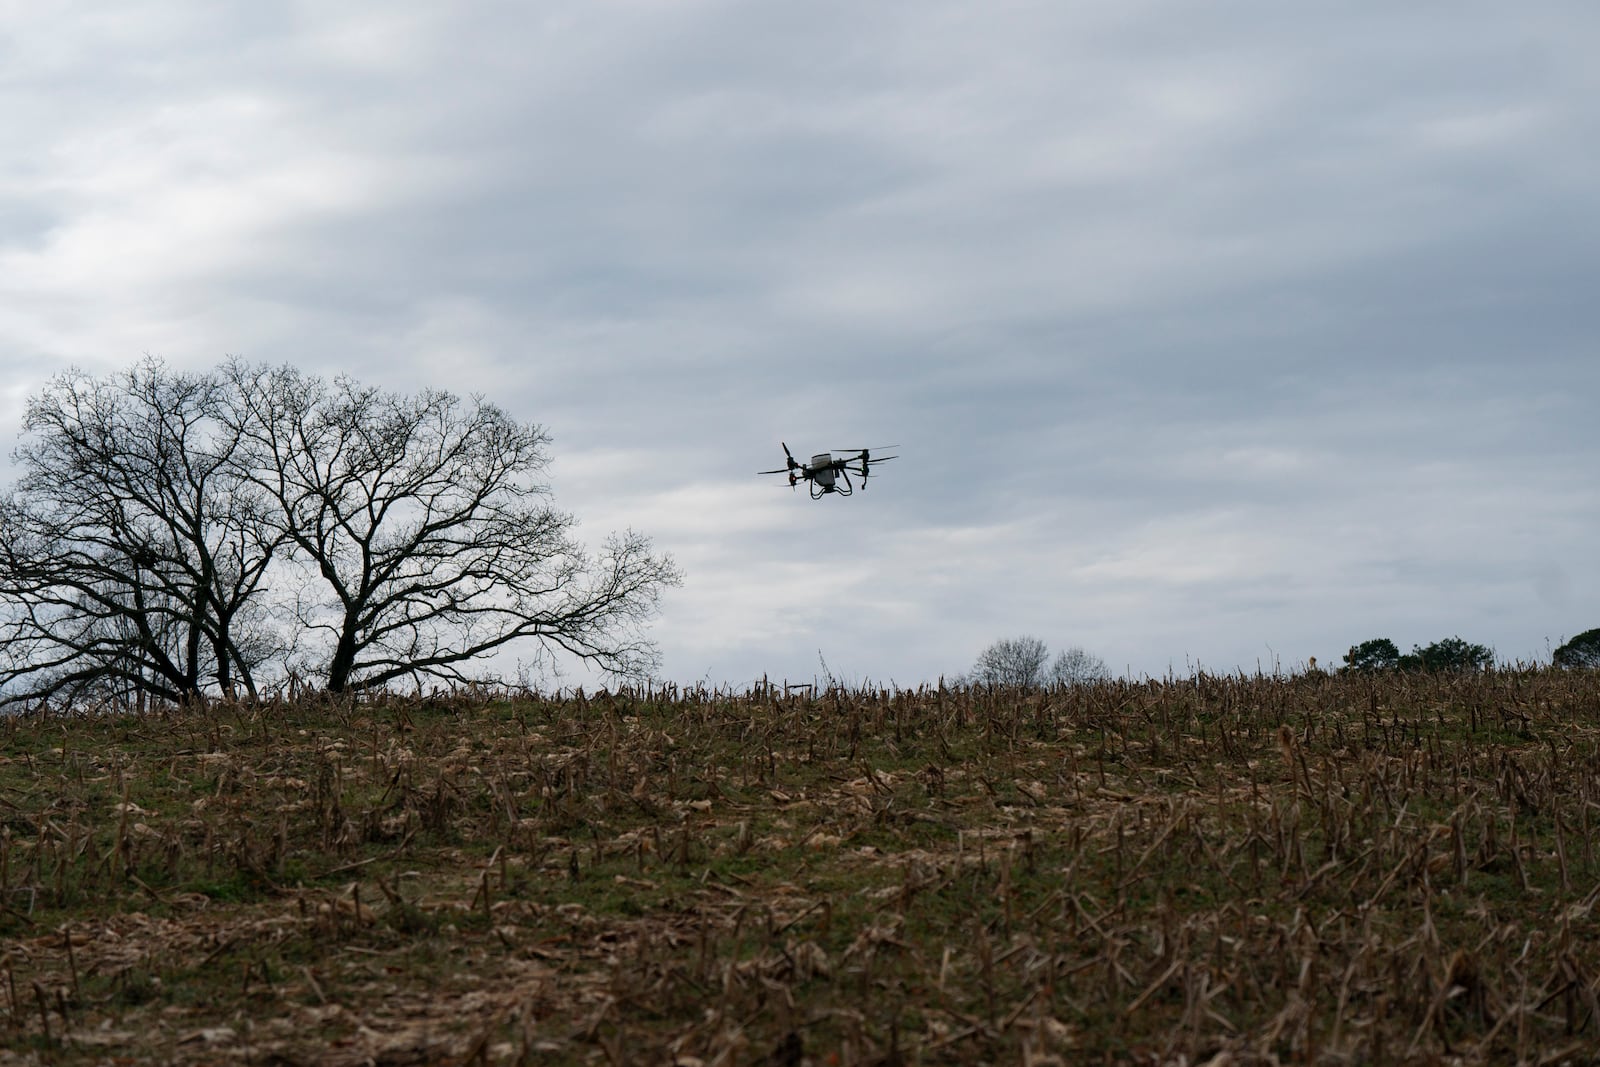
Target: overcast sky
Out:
[1217,335]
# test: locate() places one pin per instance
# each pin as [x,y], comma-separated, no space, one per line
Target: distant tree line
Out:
[1450,654]
[178,535]
[1456,654]
[1024,662]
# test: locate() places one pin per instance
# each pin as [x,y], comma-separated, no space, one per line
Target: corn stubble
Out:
[1216,870]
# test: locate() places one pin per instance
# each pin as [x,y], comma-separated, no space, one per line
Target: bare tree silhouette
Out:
[174,535]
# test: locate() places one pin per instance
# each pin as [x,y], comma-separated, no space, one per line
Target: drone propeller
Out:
[860,460]
[791,466]
[864,459]
[866,453]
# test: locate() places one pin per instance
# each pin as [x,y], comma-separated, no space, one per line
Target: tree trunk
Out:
[344,658]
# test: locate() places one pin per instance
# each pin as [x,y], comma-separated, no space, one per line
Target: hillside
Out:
[1317,869]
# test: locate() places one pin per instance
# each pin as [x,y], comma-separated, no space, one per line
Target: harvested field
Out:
[1317,869]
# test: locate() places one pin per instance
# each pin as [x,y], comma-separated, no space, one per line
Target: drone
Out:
[824,474]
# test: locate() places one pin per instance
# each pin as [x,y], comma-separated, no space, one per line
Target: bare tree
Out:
[1074,666]
[1012,661]
[166,524]
[132,554]
[428,529]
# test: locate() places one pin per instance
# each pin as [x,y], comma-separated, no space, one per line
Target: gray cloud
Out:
[1204,332]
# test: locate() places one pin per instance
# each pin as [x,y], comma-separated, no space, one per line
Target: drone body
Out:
[824,474]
